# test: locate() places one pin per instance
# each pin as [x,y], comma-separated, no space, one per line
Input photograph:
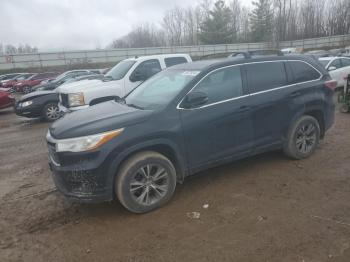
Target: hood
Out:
[35,94]
[23,82]
[97,119]
[86,85]
[46,85]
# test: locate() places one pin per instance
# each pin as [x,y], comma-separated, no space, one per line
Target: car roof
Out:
[211,64]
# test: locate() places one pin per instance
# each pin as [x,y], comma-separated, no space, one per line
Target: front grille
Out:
[64,100]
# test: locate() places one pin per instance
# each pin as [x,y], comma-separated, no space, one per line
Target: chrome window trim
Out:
[252,94]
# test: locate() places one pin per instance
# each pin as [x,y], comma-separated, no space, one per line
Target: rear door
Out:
[222,127]
[270,98]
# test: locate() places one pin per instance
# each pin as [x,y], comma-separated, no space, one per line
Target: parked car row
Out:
[43,101]
[84,88]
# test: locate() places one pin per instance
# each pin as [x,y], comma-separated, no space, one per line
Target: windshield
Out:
[324,62]
[160,89]
[7,77]
[120,70]
[23,77]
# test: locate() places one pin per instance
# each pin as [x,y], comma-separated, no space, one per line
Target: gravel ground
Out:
[265,208]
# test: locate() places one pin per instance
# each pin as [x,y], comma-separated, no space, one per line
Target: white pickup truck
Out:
[118,82]
[338,67]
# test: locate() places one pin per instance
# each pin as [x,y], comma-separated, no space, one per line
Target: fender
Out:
[307,108]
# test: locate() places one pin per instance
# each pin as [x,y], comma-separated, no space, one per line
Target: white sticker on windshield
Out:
[190,73]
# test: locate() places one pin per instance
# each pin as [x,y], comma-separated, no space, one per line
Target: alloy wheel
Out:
[53,112]
[149,184]
[306,138]
[26,89]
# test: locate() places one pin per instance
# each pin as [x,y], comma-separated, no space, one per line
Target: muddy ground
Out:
[266,208]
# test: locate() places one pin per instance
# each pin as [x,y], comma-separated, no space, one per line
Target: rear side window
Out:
[265,76]
[222,84]
[346,62]
[303,72]
[170,61]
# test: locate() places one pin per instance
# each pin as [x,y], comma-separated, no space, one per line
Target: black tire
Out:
[50,112]
[303,138]
[27,89]
[135,191]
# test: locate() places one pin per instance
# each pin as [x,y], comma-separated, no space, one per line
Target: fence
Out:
[69,58]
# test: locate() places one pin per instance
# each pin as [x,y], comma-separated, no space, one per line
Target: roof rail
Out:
[262,52]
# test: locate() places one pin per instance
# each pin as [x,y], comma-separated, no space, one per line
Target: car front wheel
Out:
[51,112]
[303,138]
[27,89]
[145,182]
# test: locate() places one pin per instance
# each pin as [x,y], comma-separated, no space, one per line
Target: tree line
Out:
[20,49]
[223,22]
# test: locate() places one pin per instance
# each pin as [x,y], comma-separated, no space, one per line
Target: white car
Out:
[338,67]
[118,82]
[290,50]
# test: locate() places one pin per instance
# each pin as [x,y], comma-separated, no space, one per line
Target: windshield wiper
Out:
[134,106]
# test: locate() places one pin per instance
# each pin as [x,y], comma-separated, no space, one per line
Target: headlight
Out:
[26,103]
[76,99]
[85,143]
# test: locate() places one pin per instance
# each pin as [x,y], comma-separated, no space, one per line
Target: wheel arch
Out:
[318,114]
[161,146]
[314,111]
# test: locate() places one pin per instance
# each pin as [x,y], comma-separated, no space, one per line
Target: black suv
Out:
[188,118]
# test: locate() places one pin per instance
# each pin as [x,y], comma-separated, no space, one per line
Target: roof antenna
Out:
[136,56]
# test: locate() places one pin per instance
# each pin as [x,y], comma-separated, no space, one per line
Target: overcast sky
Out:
[77,24]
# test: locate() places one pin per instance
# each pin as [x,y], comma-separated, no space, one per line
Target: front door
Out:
[222,127]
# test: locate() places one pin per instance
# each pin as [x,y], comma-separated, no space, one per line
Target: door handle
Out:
[295,94]
[244,109]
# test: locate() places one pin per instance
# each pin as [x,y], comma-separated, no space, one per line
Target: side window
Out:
[265,76]
[145,70]
[346,62]
[303,72]
[170,61]
[336,63]
[222,84]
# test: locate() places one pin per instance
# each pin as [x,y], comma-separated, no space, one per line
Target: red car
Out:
[26,85]
[10,83]
[6,99]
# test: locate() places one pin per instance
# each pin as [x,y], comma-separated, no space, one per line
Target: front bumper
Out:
[83,185]
[31,111]
[82,176]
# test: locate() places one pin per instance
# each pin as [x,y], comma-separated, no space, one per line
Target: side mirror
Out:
[138,76]
[332,68]
[195,99]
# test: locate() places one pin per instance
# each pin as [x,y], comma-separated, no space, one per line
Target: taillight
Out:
[331,84]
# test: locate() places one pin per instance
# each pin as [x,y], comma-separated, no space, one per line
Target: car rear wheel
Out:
[27,89]
[51,112]
[145,182]
[303,138]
